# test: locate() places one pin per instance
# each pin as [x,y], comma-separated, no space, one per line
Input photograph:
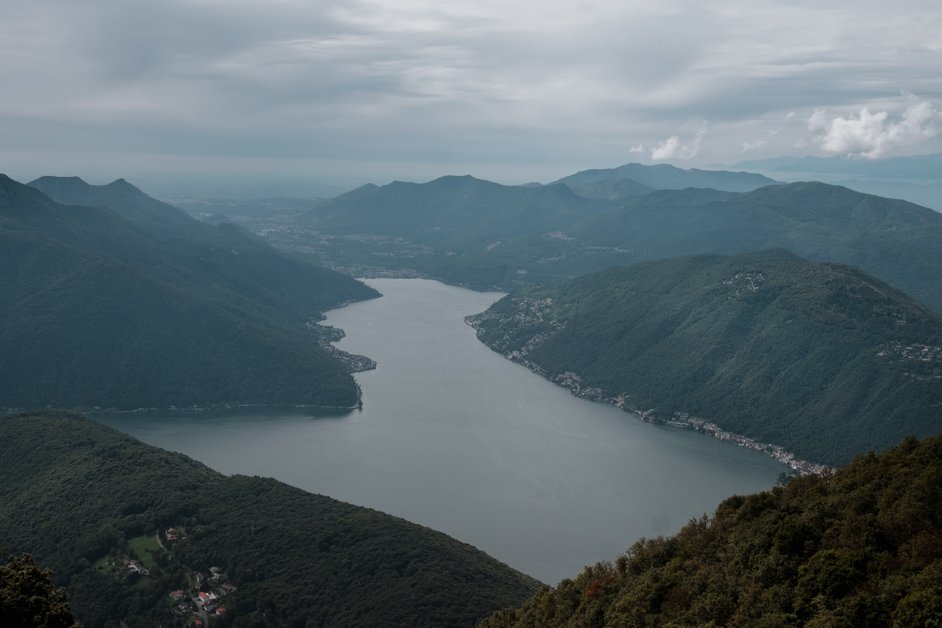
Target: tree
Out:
[27,597]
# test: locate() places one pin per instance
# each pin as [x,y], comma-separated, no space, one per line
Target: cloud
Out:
[874,135]
[544,86]
[673,148]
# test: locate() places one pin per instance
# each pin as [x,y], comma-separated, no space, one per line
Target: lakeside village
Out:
[683,420]
[200,601]
[538,310]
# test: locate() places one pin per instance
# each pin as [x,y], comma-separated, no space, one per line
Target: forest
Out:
[857,548]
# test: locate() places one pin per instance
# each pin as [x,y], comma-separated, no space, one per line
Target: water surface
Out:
[455,437]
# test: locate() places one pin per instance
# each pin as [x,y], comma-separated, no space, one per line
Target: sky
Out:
[340,92]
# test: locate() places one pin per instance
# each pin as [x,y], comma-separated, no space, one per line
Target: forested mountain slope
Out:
[83,498]
[860,548]
[99,310]
[819,358]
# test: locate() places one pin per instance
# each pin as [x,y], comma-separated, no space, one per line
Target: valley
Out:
[455,437]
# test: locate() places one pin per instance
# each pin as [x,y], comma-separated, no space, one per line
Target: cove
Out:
[453,436]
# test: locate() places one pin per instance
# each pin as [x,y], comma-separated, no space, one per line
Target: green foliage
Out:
[821,551]
[818,358]
[144,306]
[77,495]
[27,597]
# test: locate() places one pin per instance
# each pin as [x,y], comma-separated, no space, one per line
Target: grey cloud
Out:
[465,84]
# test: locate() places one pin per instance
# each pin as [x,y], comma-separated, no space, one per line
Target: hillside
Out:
[819,358]
[100,310]
[665,177]
[860,548]
[85,499]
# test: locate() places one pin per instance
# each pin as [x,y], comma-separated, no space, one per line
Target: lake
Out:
[455,437]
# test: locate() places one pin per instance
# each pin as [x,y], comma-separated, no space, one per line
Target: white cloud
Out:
[877,134]
[673,148]
[640,148]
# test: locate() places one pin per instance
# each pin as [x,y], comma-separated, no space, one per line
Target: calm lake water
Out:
[455,437]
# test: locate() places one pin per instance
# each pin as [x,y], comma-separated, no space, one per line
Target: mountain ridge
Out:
[98,310]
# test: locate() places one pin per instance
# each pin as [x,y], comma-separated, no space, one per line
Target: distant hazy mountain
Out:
[666,177]
[916,178]
[831,551]
[611,189]
[819,358]
[156,309]
[120,196]
[912,168]
[83,499]
[449,211]
[895,241]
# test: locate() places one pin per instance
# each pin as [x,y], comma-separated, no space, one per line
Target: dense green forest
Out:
[819,358]
[143,306]
[84,499]
[859,548]
[484,235]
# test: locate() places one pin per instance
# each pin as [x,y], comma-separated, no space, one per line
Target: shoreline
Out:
[679,420]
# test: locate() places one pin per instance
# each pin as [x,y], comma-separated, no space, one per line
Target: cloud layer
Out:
[377,90]
[876,134]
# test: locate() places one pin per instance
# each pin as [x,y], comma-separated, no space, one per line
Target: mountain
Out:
[120,196]
[85,500]
[611,189]
[819,358]
[156,309]
[449,211]
[915,178]
[911,168]
[668,177]
[860,547]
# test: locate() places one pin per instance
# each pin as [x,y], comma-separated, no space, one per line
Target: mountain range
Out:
[484,235]
[915,178]
[131,303]
[819,358]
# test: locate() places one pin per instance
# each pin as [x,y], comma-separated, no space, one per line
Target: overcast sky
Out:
[350,91]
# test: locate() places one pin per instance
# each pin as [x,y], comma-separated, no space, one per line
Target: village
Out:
[683,420]
[199,602]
